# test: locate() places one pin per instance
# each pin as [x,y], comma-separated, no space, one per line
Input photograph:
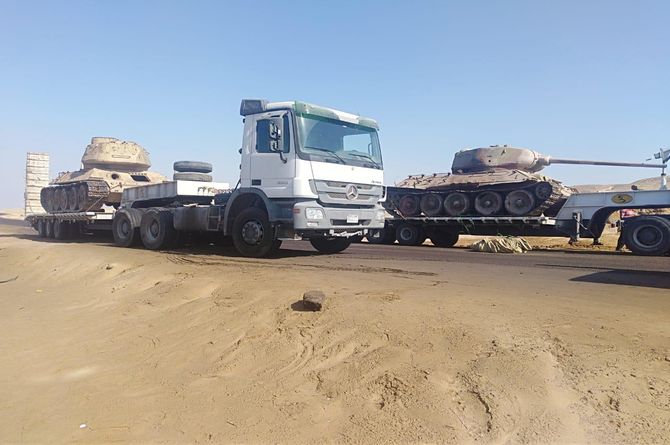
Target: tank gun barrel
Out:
[606,163]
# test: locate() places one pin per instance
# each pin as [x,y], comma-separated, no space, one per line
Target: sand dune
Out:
[184,347]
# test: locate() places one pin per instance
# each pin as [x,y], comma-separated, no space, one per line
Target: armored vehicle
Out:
[108,166]
[494,181]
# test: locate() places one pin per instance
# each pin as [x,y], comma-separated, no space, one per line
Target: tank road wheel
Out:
[330,245]
[543,191]
[647,235]
[409,235]
[444,237]
[125,229]
[60,199]
[488,203]
[61,230]
[456,204]
[49,200]
[49,228]
[156,229]
[431,204]
[519,203]
[44,199]
[82,197]
[409,205]
[253,235]
[72,201]
[42,228]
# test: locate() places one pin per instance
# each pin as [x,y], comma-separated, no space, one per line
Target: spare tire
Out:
[193,166]
[201,177]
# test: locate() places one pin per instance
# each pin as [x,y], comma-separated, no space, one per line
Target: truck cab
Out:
[317,174]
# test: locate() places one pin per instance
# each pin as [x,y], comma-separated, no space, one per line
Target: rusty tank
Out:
[492,181]
[108,166]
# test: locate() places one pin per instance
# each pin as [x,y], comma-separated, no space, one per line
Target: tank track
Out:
[83,196]
[546,197]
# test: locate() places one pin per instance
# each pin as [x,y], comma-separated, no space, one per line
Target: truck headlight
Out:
[314,213]
[380,215]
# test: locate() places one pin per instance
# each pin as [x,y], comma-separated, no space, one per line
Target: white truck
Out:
[307,172]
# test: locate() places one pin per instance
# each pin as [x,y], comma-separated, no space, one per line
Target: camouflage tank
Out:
[494,181]
[109,165]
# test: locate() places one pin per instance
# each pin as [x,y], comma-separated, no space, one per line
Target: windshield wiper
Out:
[327,151]
[361,155]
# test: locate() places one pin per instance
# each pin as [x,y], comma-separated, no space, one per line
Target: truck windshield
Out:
[339,141]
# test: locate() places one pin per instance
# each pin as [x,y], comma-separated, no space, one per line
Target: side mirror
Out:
[275,136]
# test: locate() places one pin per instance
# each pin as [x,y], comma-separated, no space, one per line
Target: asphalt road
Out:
[603,267]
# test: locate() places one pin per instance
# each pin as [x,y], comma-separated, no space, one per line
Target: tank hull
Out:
[498,192]
[107,170]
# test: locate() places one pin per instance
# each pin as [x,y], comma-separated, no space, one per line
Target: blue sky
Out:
[585,79]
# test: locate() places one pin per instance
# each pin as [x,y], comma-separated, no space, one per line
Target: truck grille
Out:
[335,192]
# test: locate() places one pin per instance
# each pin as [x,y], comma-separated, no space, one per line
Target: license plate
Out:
[352,219]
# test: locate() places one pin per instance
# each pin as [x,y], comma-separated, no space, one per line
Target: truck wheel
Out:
[647,235]
[49,230]
[253,235]
[157,230]
[61,230]
[444,238]
[192,166]
[126,233]
[330,245]
[409,235]
[200,177]
[42,228]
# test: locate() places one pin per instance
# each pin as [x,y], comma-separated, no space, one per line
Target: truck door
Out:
[271,171]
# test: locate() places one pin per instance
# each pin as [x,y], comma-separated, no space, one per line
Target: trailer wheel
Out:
[443,237]
[125,231]
[330,245]
[647,235]
[253,235]
[409,235]
[42,228]
[192,166]
[61,230]
[157,230]
[49,230]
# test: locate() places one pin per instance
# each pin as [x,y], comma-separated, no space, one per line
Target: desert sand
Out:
[102,344]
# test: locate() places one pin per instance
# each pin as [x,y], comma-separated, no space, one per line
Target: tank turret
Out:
[497,180]
[114,154]
[109,166]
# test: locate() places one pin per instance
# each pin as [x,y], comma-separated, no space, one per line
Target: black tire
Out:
[330,245]
[647,235]
[41,228]
[199,177]
[49,231]
[157,230]
[61,230]
[443,237]
[192,166]
[253,235]
[409,235]
[125,229]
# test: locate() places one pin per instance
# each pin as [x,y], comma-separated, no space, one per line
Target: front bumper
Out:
[336,219]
